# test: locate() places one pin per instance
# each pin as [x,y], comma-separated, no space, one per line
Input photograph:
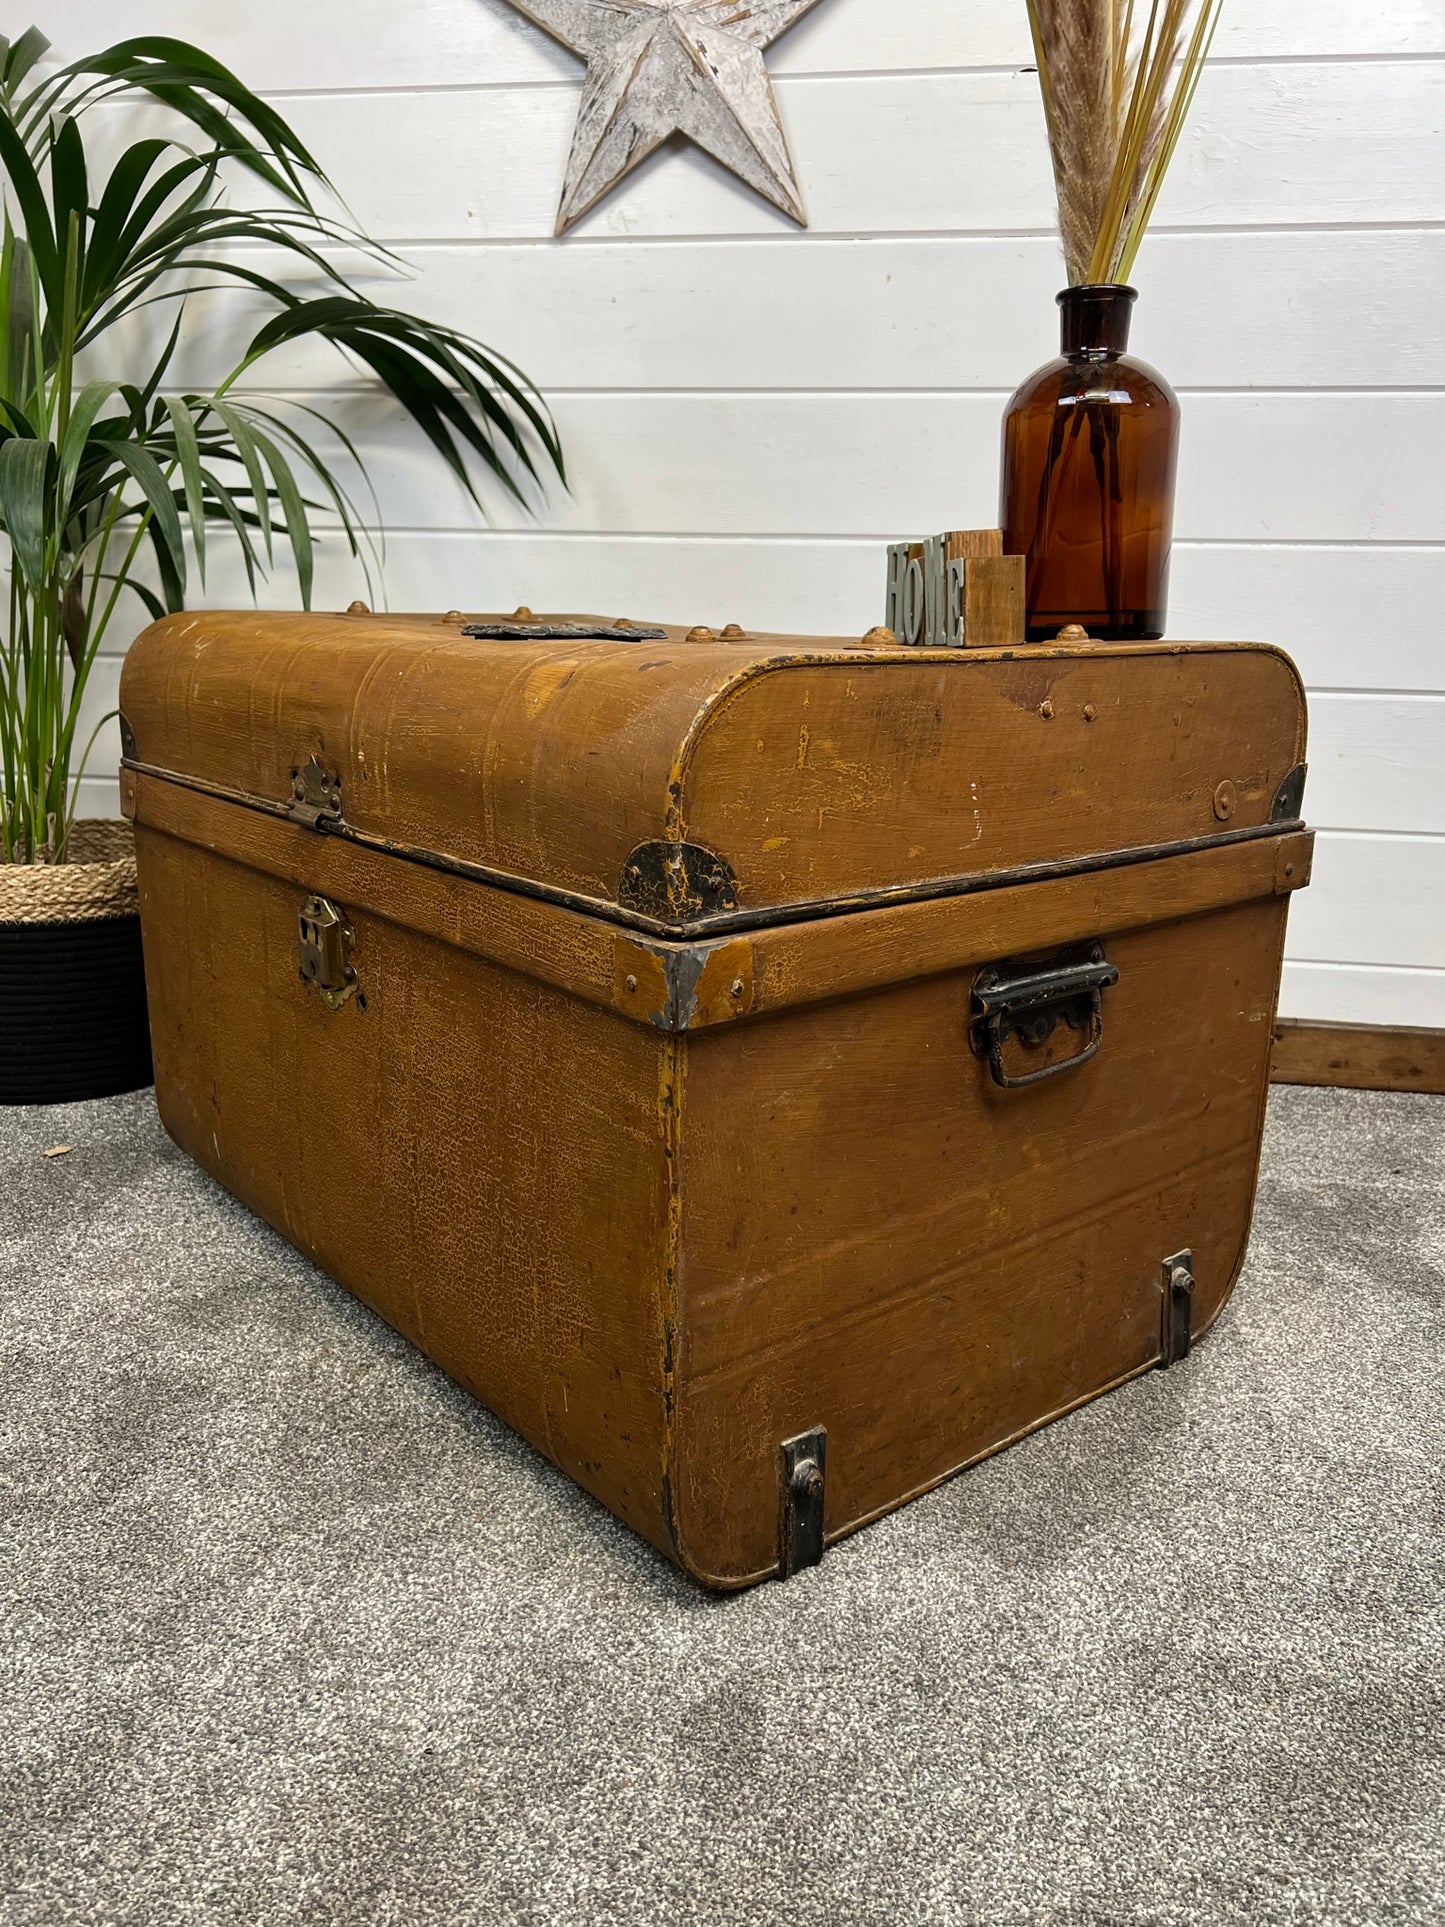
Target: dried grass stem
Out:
[1115,102]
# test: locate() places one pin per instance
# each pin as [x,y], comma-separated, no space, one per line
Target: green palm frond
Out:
[106,482]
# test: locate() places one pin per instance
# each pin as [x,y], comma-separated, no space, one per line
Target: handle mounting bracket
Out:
[1028,1001]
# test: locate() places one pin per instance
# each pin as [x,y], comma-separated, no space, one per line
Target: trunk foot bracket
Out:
[803,1464]
[1178,1296]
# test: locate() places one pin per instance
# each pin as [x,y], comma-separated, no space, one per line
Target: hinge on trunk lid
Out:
[315,796]
[800,1533]
[1178,1308]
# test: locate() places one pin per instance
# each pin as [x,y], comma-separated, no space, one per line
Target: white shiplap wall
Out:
[750,412]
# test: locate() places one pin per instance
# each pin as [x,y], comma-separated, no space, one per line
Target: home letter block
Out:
[955,591]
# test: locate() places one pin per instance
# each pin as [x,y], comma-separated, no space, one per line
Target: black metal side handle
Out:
[1030,1000]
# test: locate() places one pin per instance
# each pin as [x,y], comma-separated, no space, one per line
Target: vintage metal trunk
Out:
[771,1074]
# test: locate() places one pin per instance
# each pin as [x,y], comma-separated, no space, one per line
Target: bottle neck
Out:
[1094,321]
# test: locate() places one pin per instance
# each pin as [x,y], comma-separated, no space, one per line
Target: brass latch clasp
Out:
[324,944]
[315,796]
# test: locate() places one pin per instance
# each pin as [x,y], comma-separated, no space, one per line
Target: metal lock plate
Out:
[324,942]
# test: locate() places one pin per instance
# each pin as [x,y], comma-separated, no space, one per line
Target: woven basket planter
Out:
[72,985]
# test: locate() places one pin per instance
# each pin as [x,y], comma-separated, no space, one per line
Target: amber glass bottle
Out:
[1089,450]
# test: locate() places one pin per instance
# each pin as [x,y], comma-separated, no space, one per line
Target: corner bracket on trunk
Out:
[1289,798]
[677,882]
[802,1477]
[1178,1294]
[683,986]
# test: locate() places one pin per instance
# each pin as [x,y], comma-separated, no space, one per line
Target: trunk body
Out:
[659,1105]
[1090,447]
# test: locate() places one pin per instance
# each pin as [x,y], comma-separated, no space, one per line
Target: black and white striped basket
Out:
[72,984]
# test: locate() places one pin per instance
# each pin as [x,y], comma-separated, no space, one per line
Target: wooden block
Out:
[993,602]
[973,545]
[964,550]
[954,590]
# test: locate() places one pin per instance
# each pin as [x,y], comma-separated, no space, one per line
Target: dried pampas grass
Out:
[1116,100]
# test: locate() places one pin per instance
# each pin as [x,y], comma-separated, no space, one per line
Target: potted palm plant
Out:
[111,490]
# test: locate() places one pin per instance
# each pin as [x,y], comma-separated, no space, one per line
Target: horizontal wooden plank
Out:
[340,44]
[102,695]
[99,796]
[1374,763]
[1373,900]
[1353,618]
[1255,467]
[1361,1057]
[616,315]
[1307,143]
[1363,994]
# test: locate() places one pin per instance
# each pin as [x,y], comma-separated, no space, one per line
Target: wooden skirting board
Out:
[1362,1057]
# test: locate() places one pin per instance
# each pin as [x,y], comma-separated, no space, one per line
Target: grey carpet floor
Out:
[294,1632]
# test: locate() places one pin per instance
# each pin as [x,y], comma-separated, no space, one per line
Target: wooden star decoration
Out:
[660,67]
